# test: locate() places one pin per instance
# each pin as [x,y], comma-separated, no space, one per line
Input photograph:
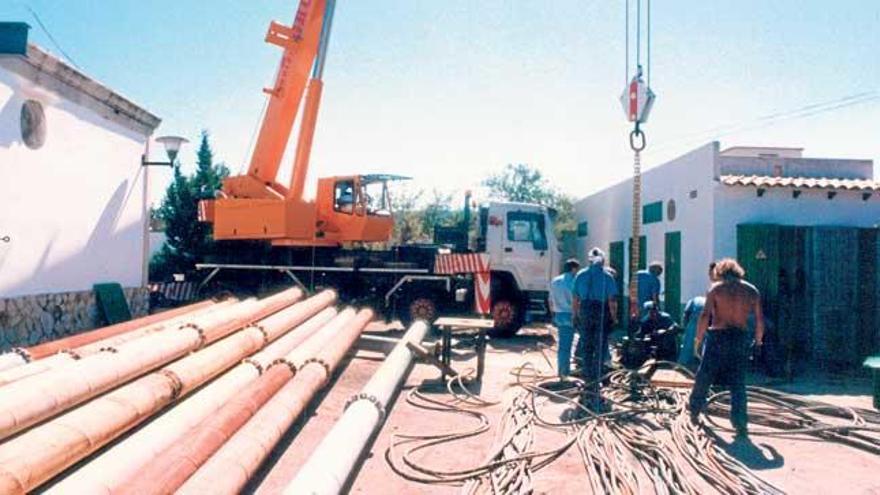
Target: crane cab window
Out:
[527,227]
[376,199]
[343,196]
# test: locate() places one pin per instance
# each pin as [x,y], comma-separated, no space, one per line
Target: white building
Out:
[693,205]
[72,193]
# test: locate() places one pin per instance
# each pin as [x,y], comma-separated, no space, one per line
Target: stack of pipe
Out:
[23,355]
[328,469]
[68,351]
[30,400]
[109,471]
[224,451]
[37,455]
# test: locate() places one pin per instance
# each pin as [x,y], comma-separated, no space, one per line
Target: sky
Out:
[450,91]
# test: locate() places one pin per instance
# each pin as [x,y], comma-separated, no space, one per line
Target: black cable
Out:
[51,38]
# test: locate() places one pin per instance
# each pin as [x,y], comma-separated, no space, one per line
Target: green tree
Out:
[407,218]
[188,241]
[437,212]
[523,183]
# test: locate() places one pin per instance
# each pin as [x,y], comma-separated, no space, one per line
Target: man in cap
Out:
[594,307]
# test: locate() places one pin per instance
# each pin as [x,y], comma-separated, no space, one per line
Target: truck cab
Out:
[524,256]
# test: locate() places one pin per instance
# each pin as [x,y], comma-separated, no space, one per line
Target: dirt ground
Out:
[795,464]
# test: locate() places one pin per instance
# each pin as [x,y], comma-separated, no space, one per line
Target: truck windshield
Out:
[527,227]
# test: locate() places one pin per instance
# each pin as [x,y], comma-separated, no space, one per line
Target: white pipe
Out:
[332,462]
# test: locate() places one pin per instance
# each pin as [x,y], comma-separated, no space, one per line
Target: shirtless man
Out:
[728,305]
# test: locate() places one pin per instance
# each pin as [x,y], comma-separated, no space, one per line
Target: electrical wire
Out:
[643,441]
[49,35]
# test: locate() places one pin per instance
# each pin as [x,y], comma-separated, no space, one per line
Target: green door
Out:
[617,261]
[757,249]
[672,275]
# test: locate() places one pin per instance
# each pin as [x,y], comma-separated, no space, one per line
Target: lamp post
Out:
[172,146]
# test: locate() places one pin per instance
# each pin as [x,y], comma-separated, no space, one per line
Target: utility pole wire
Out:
[51,38]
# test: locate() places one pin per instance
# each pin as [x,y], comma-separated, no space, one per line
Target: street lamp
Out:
[172,146]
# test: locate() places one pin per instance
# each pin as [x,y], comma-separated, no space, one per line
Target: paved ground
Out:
[798,465]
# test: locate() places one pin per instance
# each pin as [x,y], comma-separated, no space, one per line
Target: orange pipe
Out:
[170,468]
[43,452]
[110,470]
[49,348]
[24,355]
[70,355]
[229,469]
[30,400]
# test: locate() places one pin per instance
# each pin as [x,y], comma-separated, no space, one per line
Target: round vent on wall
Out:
[33,124]
[670,210]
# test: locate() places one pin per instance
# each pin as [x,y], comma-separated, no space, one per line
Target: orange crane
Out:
[255,206]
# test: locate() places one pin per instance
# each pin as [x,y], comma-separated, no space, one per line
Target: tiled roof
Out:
[801,182]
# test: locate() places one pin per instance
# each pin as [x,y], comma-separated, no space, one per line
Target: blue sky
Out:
[448,91]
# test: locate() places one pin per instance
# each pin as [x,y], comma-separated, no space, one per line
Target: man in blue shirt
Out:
[594,307]
[649,283]
[560,305]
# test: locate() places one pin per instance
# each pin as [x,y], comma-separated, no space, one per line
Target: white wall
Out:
[73,208]
[609,214]
[736,204]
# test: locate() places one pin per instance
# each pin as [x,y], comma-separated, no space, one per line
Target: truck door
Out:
[526,248]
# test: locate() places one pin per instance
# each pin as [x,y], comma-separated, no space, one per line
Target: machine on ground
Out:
[263,225]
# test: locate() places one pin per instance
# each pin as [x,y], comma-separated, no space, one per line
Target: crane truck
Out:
[261,224]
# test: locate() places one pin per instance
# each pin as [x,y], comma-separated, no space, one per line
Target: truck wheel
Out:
[507,317]
[419,308]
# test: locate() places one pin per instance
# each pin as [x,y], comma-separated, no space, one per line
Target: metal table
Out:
[449,325]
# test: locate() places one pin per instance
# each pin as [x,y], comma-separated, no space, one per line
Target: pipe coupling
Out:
[369,398]
[285,362]
[263,332]
[327,369]
[71,353]
[176,383]
[22,352]
[199,330]
[255,364]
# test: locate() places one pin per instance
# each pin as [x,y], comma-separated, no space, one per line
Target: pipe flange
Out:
[321,362]
[199,330]
[176,383]
[256,364]
[22,352]
[263,332]
[70,352]
[367,397]
[285,362]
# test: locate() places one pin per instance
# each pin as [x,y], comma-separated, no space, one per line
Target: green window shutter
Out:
[583,229]
[652,212]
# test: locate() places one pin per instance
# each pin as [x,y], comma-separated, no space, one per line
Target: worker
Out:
[594,308]
[692,311]
[659,329]
[730,302]
[560,306]
[649,283]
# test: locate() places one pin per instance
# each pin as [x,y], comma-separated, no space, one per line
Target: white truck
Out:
[514,245]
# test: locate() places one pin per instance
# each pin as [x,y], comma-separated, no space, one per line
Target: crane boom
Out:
[254,206]
[300,43]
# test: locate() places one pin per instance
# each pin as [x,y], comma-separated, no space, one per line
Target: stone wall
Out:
[30,320]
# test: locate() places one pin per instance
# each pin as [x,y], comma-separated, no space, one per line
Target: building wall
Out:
[736,205]
[73,209]
[33,319]
[608,214]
